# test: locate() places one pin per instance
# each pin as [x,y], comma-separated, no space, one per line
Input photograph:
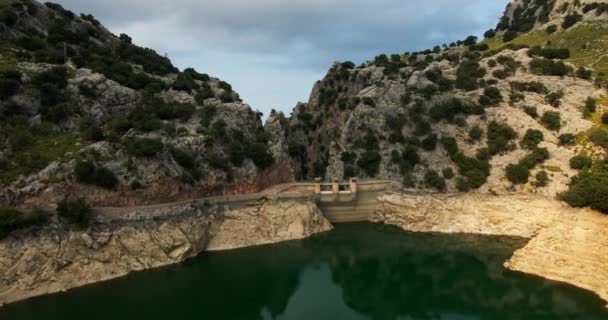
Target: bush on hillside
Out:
[567,139]
[475,133]
[517,173]
[509,35]
[88,173]
[571,20]
[369,162]
[144,147]
[74,211]
[11,220]
[551,120]
[448,173]
[599,137]
[547,67]
[500,137]
[467,75]
[531,111]
[554,98]
[491,97]
[433,180]
[532,86]
[589,188]
[590,105]
[549,53]
[531,139]
[429,143]
[542,179]
[580,162]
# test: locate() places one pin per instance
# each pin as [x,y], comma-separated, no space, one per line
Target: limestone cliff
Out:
[120,241]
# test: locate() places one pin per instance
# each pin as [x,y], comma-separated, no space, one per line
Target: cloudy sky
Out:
[272,51]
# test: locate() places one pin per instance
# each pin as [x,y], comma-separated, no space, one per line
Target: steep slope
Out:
[493,116]
[85,112]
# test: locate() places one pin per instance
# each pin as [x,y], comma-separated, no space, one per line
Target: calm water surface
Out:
[357,271]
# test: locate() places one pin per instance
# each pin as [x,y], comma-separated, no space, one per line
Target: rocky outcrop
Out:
[121,241]
[567,244]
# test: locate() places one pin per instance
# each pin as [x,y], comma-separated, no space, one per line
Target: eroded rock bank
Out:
[567,244]
[121,241]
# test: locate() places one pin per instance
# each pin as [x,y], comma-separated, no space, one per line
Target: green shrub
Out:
[368,101]
[605,118]
[571,20]
[491,97]
[369,162]
[499,137]
[19,138]
[8,17]
[183,158]
[531,139]
[11,220]
[432,179]
[599,137]
[260,154]
[531,111]
[584,73]
[227,97]
[509,35]
[549,67]
[589,188]
[450,145]
[448,109]
[554,99]
[448,173]
[88,173]
[203,94]
[542,179]
[567,139]
[580,162]
[474,172]
[144,147]
[549,53]
[551,29]
[518,173]
[467,74]
[74,211]
[475,133]
[590,105]
[551,120]
[532,86]
[429,143]
[489,34]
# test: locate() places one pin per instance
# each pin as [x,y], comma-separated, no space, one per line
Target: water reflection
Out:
[360,271]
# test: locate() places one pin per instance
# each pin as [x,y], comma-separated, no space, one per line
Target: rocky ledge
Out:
[566,244]
[121,241]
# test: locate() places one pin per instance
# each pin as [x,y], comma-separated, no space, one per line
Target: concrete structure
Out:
[350,201]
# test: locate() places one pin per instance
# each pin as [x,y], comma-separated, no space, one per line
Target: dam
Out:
[340,201]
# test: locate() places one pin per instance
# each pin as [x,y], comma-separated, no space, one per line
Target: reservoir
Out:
[356,271]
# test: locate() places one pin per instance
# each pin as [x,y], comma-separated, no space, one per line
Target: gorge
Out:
[490,156]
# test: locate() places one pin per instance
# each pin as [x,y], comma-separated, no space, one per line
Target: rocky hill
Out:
[521,110]
[86,112]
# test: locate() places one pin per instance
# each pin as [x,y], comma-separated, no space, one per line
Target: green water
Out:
[358,271]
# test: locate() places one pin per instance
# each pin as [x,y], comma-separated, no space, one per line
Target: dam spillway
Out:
[341,202]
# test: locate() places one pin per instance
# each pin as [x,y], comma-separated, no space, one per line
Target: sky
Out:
[273,51]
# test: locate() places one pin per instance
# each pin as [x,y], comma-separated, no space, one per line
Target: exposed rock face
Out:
[272,222]
[566,244]
[127,240]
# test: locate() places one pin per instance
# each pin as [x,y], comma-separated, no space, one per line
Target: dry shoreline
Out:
[566,244]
